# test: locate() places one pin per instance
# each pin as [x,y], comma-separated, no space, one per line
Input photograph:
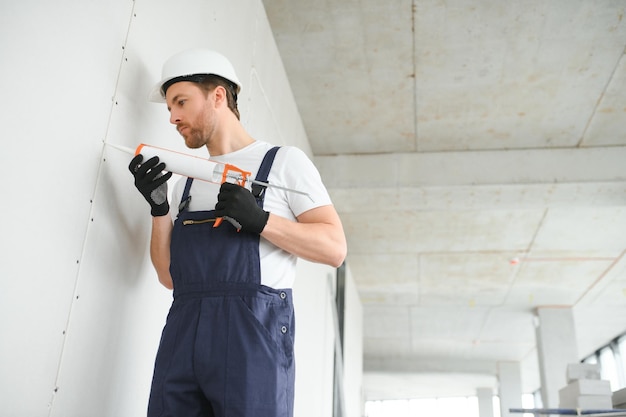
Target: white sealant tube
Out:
[185,164]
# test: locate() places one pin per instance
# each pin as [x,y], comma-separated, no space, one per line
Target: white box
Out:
[582,371]
[619,398]
[588,402]
[586,387]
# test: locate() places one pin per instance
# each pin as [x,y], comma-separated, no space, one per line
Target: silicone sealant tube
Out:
[184,164]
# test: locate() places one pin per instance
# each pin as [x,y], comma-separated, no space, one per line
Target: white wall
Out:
[313,294]
[80,308]
[315,343]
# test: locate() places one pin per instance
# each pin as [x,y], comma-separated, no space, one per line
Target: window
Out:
[620,360]
[612,360]
[608,367]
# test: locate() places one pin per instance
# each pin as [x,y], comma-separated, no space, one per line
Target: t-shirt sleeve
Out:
[293,169]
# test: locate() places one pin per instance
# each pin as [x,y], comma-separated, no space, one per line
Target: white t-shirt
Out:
[291,169]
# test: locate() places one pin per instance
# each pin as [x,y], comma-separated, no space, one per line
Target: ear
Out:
[220,96]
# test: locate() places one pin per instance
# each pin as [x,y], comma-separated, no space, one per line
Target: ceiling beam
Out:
[472,168]
[479,197]
[426,365]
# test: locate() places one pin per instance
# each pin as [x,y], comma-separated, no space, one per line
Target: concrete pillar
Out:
[556,348]
[485,402]
[510,378]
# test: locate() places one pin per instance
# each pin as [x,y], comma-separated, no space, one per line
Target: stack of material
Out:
[585,390]
[619,398]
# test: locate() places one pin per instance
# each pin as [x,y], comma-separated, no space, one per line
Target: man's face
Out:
[191,112]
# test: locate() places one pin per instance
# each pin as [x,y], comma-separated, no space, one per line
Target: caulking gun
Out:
[199,168]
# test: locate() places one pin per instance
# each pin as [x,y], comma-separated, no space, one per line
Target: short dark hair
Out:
[208,83]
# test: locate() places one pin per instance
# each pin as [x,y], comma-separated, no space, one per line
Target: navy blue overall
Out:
[227,345]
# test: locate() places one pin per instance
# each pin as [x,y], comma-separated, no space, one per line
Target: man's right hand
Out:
[151,183]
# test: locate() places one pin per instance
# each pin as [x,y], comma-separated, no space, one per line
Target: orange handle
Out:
[240,175]
[240,178]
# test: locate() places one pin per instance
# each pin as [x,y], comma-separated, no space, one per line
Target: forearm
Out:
[160,248]
[317,236]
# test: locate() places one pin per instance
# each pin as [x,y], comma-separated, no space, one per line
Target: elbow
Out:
[163,274]
[166,282]
[162,267]
[338,255]
[336,263]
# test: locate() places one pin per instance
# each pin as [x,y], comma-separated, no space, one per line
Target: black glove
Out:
[236,203]
[151,183]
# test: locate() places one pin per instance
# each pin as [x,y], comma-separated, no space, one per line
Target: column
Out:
[556,348]
[485,402]
[510,378]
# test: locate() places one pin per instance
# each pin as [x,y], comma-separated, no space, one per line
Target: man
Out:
[227,346]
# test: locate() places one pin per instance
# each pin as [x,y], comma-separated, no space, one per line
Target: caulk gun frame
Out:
[266,184]
[193,166]
[239,178]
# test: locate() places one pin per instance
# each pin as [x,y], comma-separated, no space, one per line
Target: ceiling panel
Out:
[583,229]
[441,231]
[515,77]
[607,126]
[388,347]
[386,321]
[511,325]
[555,281]
[331,61]
[465,279]
[461,323]
[387,278]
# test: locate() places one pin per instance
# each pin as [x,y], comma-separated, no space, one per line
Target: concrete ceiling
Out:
[475,152]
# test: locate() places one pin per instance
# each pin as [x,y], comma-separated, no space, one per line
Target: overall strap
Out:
[186,198]
[264,170]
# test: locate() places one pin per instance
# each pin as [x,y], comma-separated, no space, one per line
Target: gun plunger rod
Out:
[267,184]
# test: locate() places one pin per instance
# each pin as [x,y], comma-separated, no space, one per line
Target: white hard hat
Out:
[194,62]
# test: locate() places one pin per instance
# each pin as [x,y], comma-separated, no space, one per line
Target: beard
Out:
[198,131]
[194,139]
